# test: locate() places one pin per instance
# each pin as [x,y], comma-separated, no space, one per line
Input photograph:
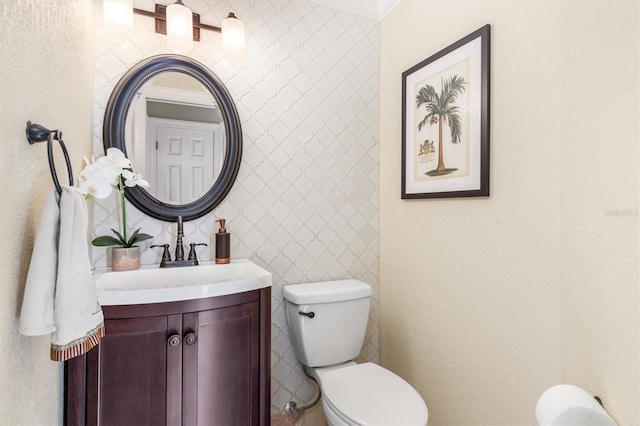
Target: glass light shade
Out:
[179,27]
[232,36]
[118,14]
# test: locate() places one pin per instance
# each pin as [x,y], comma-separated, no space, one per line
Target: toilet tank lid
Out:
[326,292]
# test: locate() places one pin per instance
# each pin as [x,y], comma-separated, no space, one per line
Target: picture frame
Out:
[445,121]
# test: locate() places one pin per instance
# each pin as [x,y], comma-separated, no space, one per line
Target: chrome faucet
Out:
[179,259]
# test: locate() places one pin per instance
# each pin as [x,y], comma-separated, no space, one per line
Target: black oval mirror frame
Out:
[113,132]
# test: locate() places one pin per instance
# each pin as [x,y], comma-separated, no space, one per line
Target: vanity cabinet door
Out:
[202,362]
[222,357]
[134,375]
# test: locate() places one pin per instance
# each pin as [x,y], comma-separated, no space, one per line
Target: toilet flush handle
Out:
[307,314]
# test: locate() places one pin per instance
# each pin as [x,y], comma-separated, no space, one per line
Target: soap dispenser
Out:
[223,243]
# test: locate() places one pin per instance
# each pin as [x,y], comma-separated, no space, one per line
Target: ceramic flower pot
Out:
[125,259]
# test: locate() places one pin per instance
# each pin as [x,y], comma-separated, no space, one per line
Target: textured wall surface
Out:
[46,77]
[508,295]
[305,203]
[487,302]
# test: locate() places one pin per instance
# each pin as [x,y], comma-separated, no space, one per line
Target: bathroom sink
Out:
[151,284]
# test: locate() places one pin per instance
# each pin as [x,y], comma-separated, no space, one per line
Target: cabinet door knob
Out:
[190,338]
[174,340]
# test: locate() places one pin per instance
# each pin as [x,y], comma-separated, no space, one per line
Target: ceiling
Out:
[375,9]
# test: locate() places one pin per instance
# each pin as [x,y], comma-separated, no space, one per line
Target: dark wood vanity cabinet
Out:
[197,362]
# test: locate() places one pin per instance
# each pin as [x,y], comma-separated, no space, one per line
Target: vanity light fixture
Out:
[232,36]
[117,15]
[179,27]
[182,27]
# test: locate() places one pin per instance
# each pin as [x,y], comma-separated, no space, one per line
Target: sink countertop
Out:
[152,284]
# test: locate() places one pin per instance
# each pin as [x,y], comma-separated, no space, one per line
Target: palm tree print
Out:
[441,108]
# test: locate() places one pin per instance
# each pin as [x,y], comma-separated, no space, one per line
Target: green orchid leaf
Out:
[136,237]
[123,242]
[139,237]
[106,241]
[133,236]
[132,239]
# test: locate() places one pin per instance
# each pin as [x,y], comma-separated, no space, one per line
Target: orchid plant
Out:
[98,179]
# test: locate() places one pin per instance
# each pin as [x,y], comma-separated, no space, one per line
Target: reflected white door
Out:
[185,163]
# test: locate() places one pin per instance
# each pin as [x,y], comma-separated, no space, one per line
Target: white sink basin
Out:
[151,284]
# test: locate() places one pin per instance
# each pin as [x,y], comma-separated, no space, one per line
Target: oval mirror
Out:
[176,122]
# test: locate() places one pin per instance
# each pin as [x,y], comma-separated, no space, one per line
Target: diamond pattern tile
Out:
[305,203]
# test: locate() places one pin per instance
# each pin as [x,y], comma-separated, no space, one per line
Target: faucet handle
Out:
[166,256]
[192,252]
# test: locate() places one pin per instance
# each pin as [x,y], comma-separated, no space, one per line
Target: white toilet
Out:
[327,323]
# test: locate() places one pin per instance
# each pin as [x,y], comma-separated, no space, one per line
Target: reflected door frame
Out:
[136,128]
[153,124]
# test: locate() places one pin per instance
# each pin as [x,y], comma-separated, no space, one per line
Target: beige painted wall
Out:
[484,303]
[46,77]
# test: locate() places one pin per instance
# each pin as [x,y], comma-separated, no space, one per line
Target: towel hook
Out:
[37,133]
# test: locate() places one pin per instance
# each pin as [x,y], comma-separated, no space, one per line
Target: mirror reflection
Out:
[175,137]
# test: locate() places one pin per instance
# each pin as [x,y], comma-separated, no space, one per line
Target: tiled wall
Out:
[305,203]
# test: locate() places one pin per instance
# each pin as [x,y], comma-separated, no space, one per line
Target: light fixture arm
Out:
[160,16]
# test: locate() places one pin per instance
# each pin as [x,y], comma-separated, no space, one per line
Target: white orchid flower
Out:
[99,176]
[134,178]
[89,168]
[100,170]
[97,180]
[117,159]
[95,188]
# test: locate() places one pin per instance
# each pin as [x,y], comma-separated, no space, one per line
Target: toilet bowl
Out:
[367,394]
[327,323]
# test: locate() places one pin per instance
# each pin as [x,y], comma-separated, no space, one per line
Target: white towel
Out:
[60,293]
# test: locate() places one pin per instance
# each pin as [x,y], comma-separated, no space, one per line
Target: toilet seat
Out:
[367,394]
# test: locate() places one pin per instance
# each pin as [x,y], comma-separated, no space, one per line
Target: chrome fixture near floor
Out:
[292,408]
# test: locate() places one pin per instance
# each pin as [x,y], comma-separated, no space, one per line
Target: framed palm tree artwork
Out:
[445,114]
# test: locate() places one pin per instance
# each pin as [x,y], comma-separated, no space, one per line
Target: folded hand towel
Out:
[60,293]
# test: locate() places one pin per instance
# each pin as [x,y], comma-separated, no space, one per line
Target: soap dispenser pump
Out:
[223,243]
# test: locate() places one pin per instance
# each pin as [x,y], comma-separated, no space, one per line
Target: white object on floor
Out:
[568,405]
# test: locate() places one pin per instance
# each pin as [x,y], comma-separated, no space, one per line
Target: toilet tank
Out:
[333,326]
